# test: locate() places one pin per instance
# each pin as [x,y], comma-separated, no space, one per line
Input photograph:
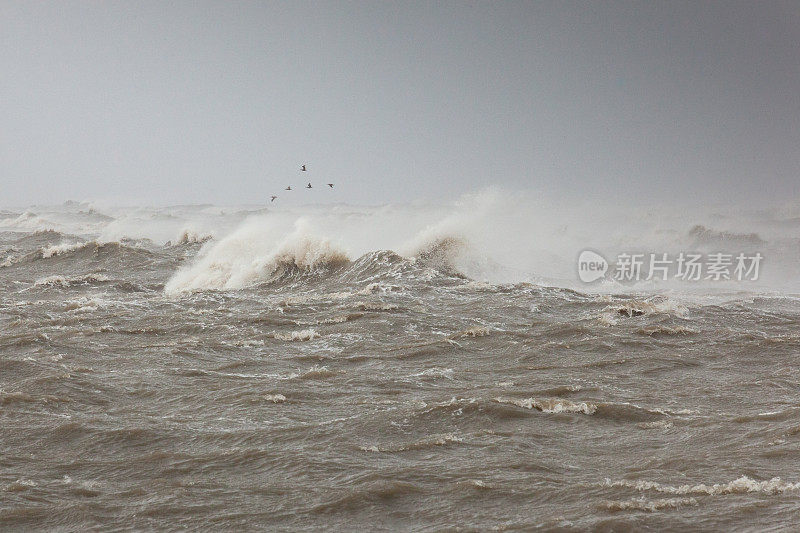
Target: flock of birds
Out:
[289,188]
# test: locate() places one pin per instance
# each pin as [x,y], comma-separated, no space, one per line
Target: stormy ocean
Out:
[414,367]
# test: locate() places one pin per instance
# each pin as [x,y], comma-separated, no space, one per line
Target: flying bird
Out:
[272,198]
[303,168]
[309,185]
[289,188]
[330,185]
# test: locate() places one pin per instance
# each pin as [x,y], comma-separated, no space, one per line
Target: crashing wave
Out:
[82,249]
[96,279]
[64,248]
[70,221]
[27,221]
[189,236]
[245,259]
[552,405]
[442,253]
[375,265]
[40,238]
[241,260]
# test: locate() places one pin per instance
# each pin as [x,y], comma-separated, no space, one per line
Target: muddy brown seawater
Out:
[382,393]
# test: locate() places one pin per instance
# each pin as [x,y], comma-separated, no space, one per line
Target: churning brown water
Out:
[382,392]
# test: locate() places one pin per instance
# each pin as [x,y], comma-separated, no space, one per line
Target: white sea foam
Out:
[741,485]
[63,248]
[275,398]
[68,281]
[85,304]
[552,405]
[301,335]
[475,331]
[435,372]
[651,506]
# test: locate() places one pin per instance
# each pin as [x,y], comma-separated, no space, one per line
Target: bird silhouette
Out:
[289,188]
[272,199]
[330,185]
[303,168]
[308,186]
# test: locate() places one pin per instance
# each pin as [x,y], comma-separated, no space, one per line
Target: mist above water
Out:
[493,235]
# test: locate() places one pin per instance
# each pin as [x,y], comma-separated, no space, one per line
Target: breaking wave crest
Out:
[69,281]
[650,506]
[77,250]
[552,405]
[442,253]
[302,335]
[241,260]
[254,255]
[190,236]
[741,485]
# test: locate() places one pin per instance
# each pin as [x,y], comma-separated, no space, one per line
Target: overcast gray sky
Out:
[189,102]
